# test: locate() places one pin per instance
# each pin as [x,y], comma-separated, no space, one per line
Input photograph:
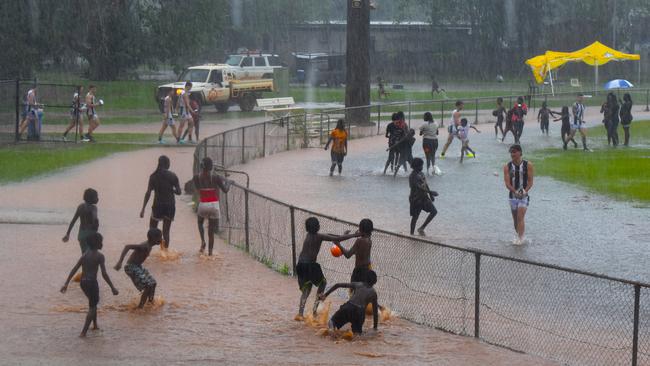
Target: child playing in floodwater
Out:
[87,215]
[308,270]
[90,260]
[361,250]
[463,135]
[354,310]
[141,278]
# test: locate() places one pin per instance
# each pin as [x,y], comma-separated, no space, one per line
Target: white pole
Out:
[596,78]
[550,78]
[638,84]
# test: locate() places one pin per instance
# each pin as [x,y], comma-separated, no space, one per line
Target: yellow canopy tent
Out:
[595,54]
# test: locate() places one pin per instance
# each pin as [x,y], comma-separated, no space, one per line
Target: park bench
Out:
[278,108]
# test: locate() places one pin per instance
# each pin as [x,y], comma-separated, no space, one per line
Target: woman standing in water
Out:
[208,185]
[429,133]
[165,185]
[626,116]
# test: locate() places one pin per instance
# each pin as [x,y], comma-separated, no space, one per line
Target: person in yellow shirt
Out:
[339,140]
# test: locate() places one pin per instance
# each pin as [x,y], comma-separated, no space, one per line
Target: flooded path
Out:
[227,310]
[566,225]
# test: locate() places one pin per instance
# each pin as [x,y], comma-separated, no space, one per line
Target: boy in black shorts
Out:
[421,197]
[141,278]
[361,250]
[354,310]
[165,185]
[89,262]
[308,270]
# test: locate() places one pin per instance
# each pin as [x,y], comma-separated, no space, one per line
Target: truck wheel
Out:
[222,107]
[247,103]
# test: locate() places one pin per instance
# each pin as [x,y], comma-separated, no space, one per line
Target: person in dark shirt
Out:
[626,116]
[308,270]
[91,260]
[421,197]
[165,185]
[500,114]
[391,133]
[565,130]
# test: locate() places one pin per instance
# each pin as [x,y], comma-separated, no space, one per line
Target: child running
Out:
[308,270]
[543,117]
[500,114]
[89,262]
[354,310]
[208,185]
[566,127]
[421,197]
[339,139]
[88,221]
[141,278]
[361,250]
[463,135]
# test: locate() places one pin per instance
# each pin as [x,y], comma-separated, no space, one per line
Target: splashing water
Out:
[168,255]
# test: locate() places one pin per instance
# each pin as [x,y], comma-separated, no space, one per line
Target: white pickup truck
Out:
[220,85]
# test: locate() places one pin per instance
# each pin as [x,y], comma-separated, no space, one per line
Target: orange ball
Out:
[336,251]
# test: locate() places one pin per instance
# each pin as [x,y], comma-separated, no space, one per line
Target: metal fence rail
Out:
[561,314]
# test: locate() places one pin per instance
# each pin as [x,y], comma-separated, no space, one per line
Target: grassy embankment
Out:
[20,162]
[622,173]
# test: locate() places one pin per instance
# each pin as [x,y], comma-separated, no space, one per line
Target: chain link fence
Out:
[569,316]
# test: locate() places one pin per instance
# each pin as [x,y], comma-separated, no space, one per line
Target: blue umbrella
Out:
[618,84]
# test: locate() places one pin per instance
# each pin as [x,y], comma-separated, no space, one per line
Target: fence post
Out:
[205,148]
[243,145]
[476,116]
[17,101]
[246,220]
[293,239]
[635,336]
[647,106]
[264,139]
[477,294]
[442,114]
[378,119]
[223,150]
[288,139]
[409,114]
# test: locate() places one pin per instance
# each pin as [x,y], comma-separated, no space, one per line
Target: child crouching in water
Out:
[90,261]
[354,310]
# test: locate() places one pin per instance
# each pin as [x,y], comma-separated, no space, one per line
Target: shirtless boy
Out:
[141,278]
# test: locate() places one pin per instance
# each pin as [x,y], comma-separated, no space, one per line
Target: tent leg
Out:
[596,78]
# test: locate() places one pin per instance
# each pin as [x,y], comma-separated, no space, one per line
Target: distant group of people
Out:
[187,109]
[614,112]
[33,110]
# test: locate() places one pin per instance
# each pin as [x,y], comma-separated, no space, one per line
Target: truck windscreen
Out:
[194,75]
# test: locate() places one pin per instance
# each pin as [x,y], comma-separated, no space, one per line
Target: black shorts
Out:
[360,274]
[309,274]
[91,290]
[163,211]
[565,131]
[349,313]
[429,146]
[337,157]
[426,206]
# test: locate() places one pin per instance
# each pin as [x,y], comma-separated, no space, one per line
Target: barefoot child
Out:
[361,250]
[89,262]
[354,311]
[463,135]
[141,278]
[308,270]
[87,213]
